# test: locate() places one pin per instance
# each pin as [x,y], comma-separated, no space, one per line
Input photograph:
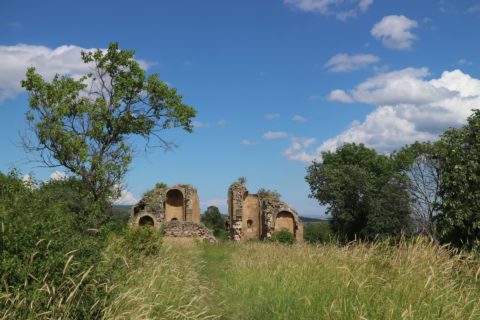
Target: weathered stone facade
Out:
[165,204]
[258,216]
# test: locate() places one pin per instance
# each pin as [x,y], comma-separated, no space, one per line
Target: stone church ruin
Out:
[259,216]
[174,208]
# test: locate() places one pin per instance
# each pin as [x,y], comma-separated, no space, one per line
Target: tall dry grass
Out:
[359,281]
[258,281]
[162,286]
[43,297]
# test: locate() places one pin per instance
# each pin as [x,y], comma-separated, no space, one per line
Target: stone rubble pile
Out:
[187,229]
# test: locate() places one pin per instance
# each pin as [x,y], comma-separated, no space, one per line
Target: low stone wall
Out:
[186,229]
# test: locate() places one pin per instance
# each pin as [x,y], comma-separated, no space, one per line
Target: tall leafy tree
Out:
[459,158]
[364,191]
[87,125]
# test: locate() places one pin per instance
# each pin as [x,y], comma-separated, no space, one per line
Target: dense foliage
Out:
[365,192]
[459,156]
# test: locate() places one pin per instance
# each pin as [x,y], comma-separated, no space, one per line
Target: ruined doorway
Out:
[174,206]
[146,221]
[286,221]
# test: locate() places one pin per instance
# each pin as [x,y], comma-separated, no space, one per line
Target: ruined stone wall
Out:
[299,235]
[179,202]
[259,216]
[251,218]
[236,195]
[196,209]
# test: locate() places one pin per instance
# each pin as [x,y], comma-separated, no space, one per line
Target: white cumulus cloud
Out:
[299,150]
[405,86]
[344,63]
[271,135]
[271,116]
[474,9]
[58,175]
[299,118]
[341,9]
[200,124]
[409,108]
[246,142]
[126,198]
[395,32]
[339,95]
[63,60]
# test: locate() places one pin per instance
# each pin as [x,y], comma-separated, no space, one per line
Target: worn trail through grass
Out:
[274,281]
[213,264]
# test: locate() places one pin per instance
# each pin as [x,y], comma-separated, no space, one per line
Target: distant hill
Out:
[121,209]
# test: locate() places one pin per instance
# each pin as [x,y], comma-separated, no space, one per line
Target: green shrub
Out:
[144,241]
[284,236]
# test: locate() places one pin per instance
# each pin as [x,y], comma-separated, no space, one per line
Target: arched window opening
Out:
[249,225]
[175,198]
[146,221]
[174,205]
[285,220]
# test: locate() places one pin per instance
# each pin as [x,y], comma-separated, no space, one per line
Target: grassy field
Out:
[272,281]
[142,276]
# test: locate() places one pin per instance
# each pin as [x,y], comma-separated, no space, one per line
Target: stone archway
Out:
[285,220]
[145,221]
[174,205]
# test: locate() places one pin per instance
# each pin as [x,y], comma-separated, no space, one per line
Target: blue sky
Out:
[275,82]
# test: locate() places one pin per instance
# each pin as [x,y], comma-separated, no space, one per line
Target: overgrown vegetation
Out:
[47,256]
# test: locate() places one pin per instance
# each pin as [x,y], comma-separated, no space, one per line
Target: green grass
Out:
[362,281]
[272,281]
